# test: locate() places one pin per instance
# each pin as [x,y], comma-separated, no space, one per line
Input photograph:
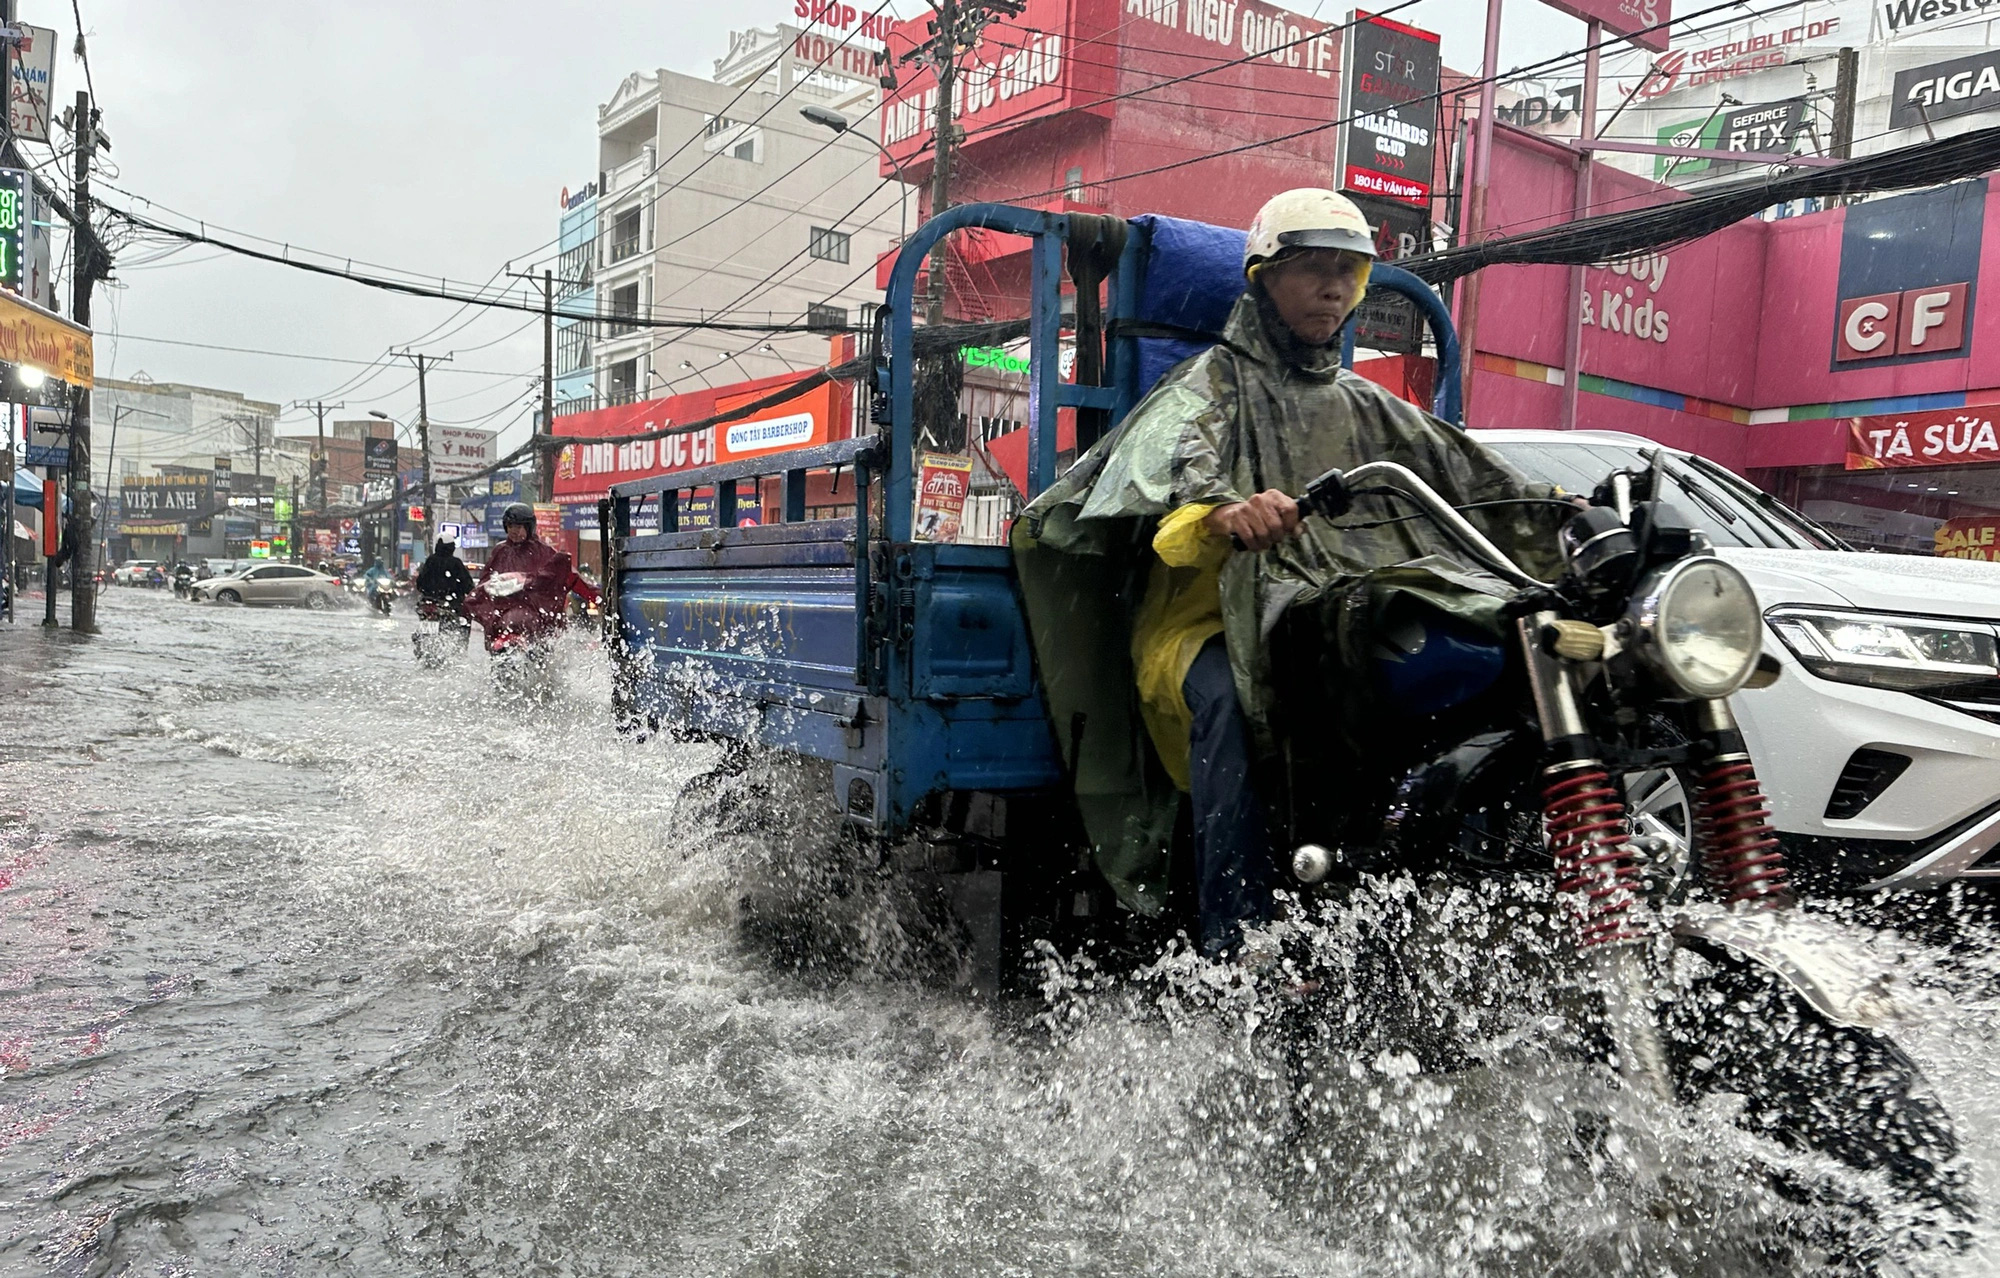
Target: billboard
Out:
[34,79]
[1942,90]
[378,456]
[1940,437]
[166,504]
[459,453]
[796,423]
[1714,54]
[1909,267]
[1389,102]
[1646,18]
[1386,321]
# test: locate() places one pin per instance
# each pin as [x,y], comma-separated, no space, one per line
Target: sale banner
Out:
[1939,437]
[942,482]
[1973,538]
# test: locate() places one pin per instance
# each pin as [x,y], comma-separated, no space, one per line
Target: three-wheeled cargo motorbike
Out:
[902,672]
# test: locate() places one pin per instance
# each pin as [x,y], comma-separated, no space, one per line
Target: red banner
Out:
[1940,437]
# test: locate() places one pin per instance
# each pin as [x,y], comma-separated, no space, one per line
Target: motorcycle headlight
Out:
[1695,624]
[1884,650]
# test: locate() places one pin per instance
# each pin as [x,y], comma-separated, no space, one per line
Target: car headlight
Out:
[1884,650]
[1695,624]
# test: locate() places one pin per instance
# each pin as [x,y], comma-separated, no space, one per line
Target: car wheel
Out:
[316,600]
[228,597]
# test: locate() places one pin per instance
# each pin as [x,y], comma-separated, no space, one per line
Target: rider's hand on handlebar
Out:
[1258,524]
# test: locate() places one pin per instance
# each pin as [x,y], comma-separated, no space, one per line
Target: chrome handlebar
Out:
[1333,492]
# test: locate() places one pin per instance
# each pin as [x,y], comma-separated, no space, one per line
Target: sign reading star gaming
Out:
[1389,101]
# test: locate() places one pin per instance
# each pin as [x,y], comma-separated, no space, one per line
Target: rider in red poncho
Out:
[536,609]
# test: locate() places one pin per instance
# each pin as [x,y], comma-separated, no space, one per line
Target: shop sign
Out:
[1908,266]
[458,452]
[1536,112]
[378,456]
[504,489]
[1387,321]
[1921,321]
[1763,130]
[1389,100]
[943,480]
[1628,307]
[173,503]
[1741,48]
[548,520]
[31,336]
[260,549]
[34,66]
[1905,17]
[1962,86]
[1940,437]
[799,422]
[1976,538]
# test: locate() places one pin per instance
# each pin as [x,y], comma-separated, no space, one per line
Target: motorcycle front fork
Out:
[1589,835]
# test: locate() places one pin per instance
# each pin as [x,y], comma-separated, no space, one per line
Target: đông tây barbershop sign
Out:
[1940,437]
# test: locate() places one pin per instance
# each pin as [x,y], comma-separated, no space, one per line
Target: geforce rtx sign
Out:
[1942,90]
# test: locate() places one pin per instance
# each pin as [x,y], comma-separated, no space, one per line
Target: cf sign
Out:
[1921,321]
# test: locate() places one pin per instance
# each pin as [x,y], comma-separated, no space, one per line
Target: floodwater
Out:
[310,964]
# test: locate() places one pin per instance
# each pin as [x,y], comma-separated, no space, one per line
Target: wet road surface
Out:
[310,964]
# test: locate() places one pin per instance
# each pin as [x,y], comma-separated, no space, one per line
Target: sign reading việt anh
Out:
[1941,437]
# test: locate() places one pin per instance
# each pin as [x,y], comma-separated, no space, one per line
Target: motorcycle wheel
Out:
[1843,1091]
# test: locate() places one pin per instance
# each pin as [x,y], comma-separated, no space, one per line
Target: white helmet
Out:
[1310,217]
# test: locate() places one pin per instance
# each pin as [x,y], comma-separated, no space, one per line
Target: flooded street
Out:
[310,964]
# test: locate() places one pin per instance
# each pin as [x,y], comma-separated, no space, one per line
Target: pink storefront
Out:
[1847,360]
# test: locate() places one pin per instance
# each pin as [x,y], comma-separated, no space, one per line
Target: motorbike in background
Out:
[442,631]
[384,599]
[183,581]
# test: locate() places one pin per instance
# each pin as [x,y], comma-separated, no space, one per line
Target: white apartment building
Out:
[763,216]
[139,424]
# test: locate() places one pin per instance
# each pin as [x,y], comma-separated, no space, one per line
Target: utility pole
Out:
[82,581]
[944,60]
[423,363]
[545,471]
[1848,67]
[956,30]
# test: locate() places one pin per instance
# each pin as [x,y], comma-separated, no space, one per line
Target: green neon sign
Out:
[993,357]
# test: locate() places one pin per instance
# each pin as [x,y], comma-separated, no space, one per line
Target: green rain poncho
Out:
[1258,411]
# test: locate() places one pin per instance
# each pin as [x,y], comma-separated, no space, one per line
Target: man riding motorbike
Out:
[442,585]
[1185,516]
[524,589]
[373,581]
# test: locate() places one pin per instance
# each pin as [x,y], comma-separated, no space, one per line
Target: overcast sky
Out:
[431,136]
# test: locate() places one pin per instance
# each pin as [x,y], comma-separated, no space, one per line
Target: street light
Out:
[30,376]
[689,366]
[828,118]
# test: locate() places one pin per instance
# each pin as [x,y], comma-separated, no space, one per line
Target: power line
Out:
[316,359]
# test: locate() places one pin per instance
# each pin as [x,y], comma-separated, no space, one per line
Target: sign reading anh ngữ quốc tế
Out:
[1067,55]
[1389,104]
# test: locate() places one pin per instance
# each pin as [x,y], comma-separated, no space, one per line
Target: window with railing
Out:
[621,382]
[828,245]
[574,271]
[625,235]
[821,318]
[624,309]
[572,347]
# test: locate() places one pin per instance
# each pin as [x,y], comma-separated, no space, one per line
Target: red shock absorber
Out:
[1588,834]
[1739,849]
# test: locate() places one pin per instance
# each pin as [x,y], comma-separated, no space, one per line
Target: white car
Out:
[271,584]
[133,571]
[1879,745]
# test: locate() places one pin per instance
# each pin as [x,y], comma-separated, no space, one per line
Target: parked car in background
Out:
[271,584]
[1879,746]
[133,572]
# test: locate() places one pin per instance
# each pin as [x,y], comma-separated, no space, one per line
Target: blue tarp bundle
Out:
[1193,277]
